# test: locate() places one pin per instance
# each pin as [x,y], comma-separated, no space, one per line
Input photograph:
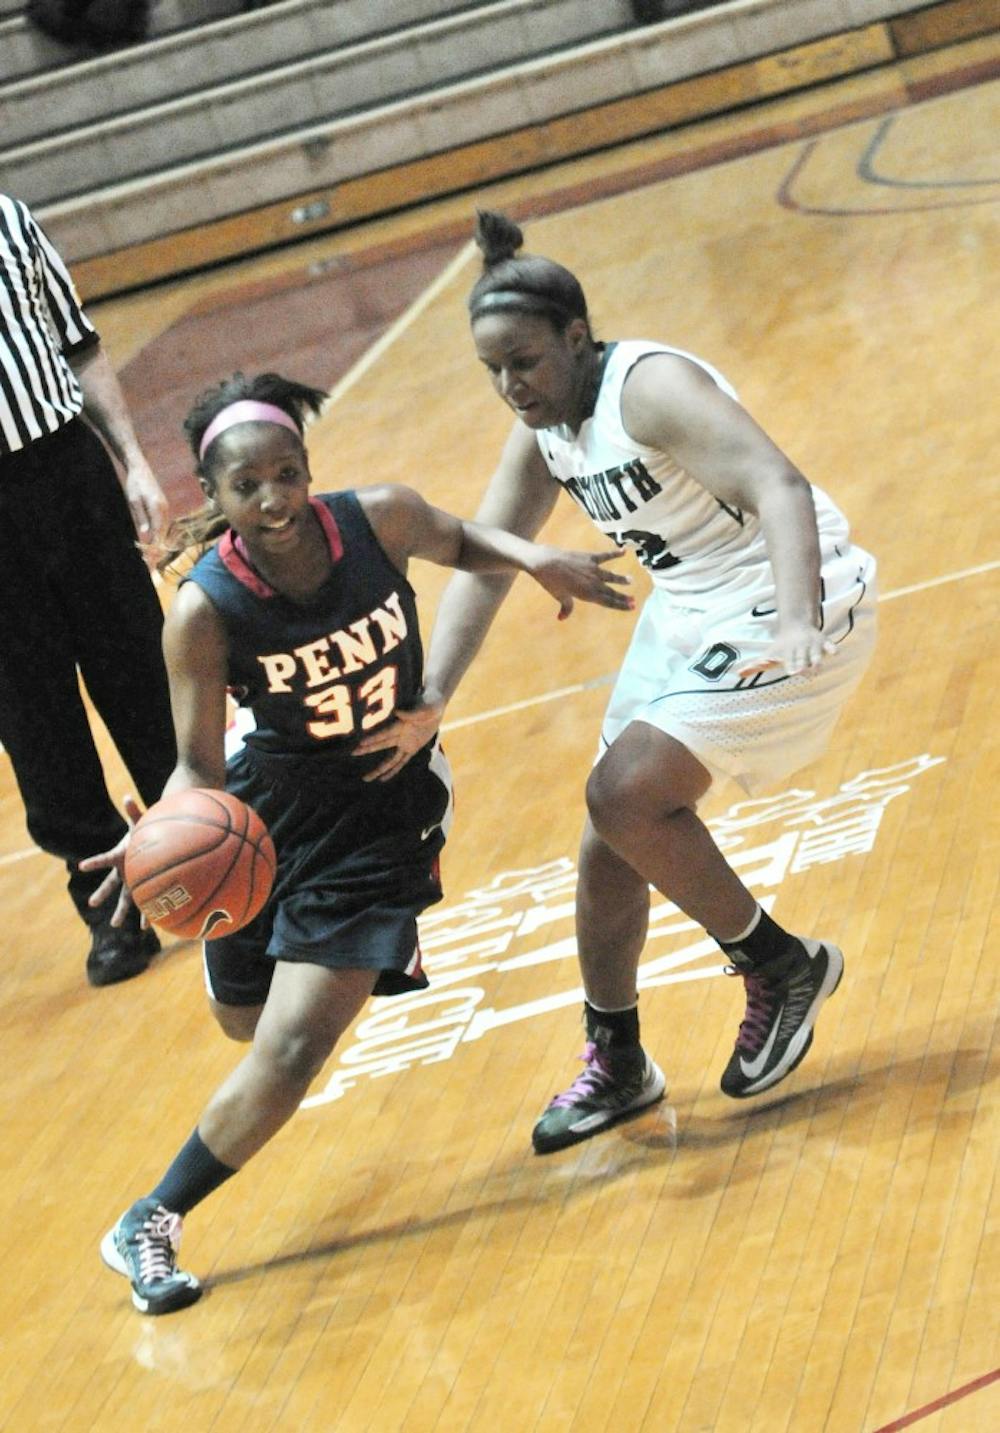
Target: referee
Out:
[76,598]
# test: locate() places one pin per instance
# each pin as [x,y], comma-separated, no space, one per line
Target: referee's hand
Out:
[147,504]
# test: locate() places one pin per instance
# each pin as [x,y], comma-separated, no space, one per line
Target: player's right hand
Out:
[114,862]
[408,732]
[797,648]
[582,576]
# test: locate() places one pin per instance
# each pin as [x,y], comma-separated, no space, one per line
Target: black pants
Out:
[76,600]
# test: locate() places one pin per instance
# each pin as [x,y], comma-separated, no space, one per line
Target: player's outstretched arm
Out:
[519,499]
[408,527]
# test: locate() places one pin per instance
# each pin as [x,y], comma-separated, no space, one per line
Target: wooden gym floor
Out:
[825,1258]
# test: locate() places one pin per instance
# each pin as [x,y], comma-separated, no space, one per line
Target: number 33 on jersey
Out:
[328,670]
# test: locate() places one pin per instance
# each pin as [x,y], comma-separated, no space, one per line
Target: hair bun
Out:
[498,237]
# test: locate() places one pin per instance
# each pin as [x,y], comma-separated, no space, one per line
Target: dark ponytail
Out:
[521,283]
[497,236]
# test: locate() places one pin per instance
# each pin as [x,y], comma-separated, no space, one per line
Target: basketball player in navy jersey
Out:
[303,609]
[759,625]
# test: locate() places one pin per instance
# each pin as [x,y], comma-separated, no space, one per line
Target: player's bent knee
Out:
[602,808]
[295,1053]
[615,802]
[628,798]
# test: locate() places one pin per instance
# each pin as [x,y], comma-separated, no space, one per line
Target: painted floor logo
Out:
[494,930]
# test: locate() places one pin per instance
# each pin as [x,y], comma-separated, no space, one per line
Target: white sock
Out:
[755,921]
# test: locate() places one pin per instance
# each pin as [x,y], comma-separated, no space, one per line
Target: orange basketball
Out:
[200,863]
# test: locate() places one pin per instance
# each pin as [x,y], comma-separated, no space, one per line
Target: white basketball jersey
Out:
[694,546]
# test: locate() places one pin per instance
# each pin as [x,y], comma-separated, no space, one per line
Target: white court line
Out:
[13,856]
[939,581]
[402,323]
[609,678]
[530,702]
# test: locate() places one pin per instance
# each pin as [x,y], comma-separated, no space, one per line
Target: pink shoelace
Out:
[588,1083]
[756,1022]
[157,1242]
[761,999]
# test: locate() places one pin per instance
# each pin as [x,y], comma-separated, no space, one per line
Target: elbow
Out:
[788,479]
[461,558]
[787,491]
[797,483]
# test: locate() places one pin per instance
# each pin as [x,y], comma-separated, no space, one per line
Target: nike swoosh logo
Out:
[752,1068]
[763,611]
[429,830]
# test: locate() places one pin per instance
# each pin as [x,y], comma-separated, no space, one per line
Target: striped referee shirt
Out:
[41,323]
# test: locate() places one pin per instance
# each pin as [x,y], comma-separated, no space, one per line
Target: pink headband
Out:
[247,410]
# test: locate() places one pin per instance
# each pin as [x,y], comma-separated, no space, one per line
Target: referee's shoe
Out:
[119,952]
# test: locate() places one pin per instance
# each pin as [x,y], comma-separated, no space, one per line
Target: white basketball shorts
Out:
[680,674]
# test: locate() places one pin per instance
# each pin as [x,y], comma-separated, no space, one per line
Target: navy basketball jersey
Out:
[321,674]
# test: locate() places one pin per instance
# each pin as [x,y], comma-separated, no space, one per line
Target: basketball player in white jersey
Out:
[760,624]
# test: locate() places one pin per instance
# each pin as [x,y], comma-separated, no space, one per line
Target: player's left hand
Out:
[796,649]
[409,732]
[114,862]
[580,575]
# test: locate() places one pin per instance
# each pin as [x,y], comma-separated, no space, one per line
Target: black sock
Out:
[612,1029]
[192,1177]
[766,942]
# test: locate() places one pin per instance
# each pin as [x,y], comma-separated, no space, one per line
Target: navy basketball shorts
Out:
[357,863]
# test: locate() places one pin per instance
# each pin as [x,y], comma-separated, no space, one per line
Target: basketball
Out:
[200,864]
